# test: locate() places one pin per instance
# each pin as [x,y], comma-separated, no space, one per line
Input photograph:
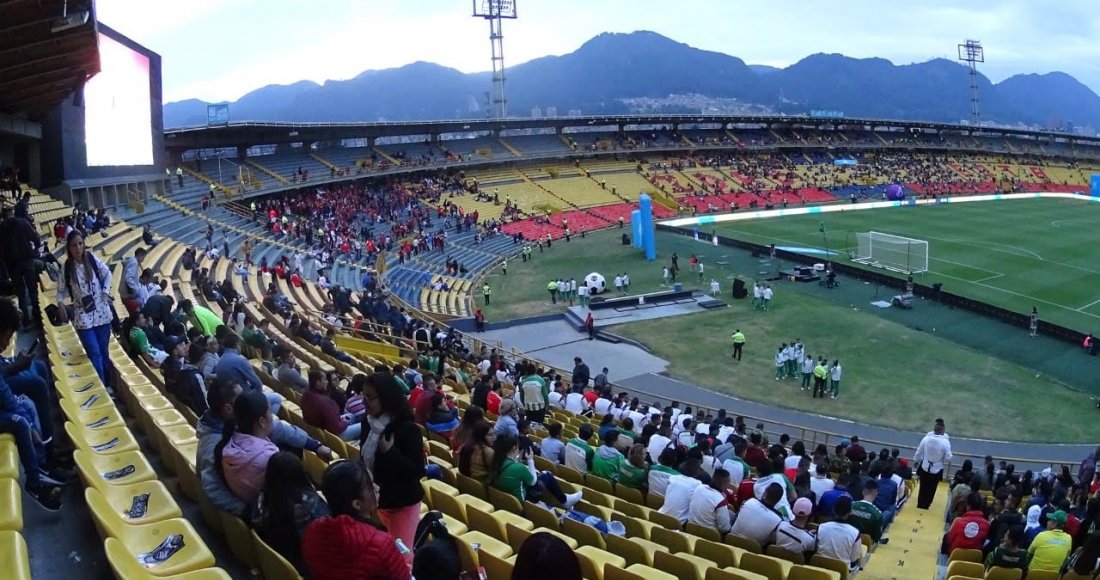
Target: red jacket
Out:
[342,548]
[968,531]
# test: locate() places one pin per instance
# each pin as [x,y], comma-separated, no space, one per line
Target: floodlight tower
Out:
[971,53]
[495,11]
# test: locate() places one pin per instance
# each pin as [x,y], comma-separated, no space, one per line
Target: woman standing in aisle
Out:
[86,281]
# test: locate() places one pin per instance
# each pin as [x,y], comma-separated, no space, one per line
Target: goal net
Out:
[896,253]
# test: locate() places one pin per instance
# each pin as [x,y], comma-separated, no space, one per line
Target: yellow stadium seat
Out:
[516,536]
[9,457]
[11,505]
[646,572]
[472,543]
[747,544]
[961,568]
[238,536]
[785,554]
[634,550]
[314,466]
[15,563]
[654,501]
[272,564]
[593,561]
[724,555]
[584,534]
[833,564]
[503,500]
[600,484]
[94,420]
[496,567]
[119,469]
[683,566]
[125,566]
[703,532]
[540,516]
[965,555]
[732,574]
[631,495]
[802,572]
[1069,575]
[470,486]
[767,566]
[633,509]
[999,573]
[144,542]
[676,541]
[637,527]
[158,502]
[665,521]
[495,523]
[102,441]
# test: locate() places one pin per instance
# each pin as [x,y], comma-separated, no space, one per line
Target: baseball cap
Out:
[1058,517]
[172,342]
[804,507]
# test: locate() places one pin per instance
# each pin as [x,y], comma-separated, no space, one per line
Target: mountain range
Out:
[611,67]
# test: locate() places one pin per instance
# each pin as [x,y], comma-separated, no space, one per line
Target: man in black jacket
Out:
[581,374]
[18,250]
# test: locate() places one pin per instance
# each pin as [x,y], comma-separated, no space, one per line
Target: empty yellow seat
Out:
[11,505]
[9,457]
[118,469]
[15,563]
[496,568]
[802,572]
[125,566]
[163,548]
[964,568]
[495,523]
[273,565]
[593,560]
[92,420]
[127,500]
[767,566]
[472,543]
[101,441]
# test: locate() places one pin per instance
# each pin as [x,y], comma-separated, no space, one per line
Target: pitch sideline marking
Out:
[1081,309]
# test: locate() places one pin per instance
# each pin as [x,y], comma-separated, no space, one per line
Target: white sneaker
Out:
[572,499]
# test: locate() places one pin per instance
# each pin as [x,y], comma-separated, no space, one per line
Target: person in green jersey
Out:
[865,517]
[780,361]
[821,373]
[1009,554]
[534,394]
[634,472]
[578,453]
[513,472]
[607,460]
[486,292]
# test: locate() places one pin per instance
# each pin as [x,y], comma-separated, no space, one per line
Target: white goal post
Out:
[896,253]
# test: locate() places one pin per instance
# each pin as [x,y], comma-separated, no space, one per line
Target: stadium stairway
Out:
[914,545]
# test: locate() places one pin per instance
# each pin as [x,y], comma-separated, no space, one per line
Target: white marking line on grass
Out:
[1087,305]
[977,282]
[989,278]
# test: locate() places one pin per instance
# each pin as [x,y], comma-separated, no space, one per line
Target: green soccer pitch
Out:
[1014,253]
[984,379]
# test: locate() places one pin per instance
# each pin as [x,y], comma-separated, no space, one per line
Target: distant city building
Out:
[536,112]
[551,111]
[574,112]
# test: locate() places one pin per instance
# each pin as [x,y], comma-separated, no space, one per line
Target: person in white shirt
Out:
[798,451]
[619,284]
[758,519]
[820,482]
[838,539]
[678,496]
[483,366]
[626,282]
[769,474]
[687,434]
[714,289]
[576,404]
[659,441]
[793,535]
[757,295]
[709,507]
[931,455]
[602,406]
[767,297]
[556,398]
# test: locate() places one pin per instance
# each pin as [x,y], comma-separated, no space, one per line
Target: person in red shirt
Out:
[856,453]
[755,453]
[422,402]
[321,411]
[970,529]
[347,544]
[296,280]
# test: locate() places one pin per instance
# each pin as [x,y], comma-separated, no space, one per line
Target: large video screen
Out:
[117,112]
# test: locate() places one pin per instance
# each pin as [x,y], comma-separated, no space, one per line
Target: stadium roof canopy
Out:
[245,134]
[43,57]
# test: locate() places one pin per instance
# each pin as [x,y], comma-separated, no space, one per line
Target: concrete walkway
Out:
[555,343]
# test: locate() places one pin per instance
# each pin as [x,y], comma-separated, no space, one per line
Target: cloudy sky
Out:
[221,49]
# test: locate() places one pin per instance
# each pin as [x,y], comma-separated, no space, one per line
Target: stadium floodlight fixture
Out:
[496,11]
[972,53]
[68,21]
